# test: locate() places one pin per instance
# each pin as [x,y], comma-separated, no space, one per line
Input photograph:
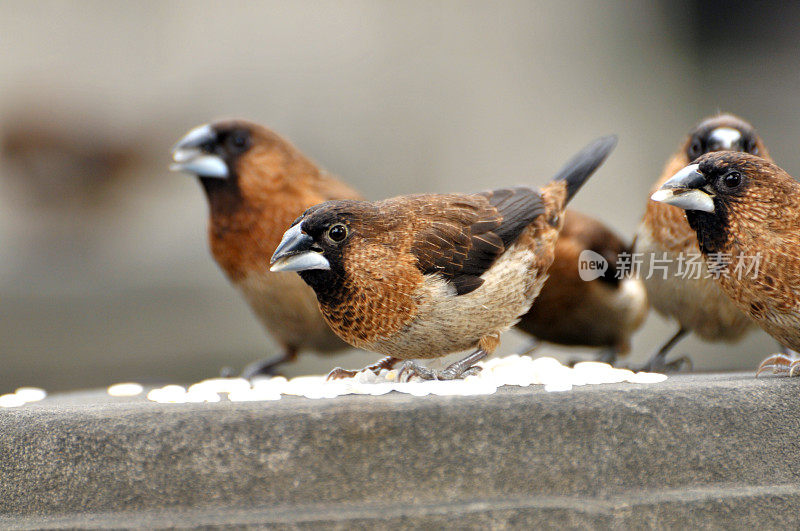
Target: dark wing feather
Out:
[518,207]
[469,233]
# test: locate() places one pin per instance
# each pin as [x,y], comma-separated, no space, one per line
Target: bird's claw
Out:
[251,372]
[412,368]
[780,364]
[684,363]
[472,371]
[339,373]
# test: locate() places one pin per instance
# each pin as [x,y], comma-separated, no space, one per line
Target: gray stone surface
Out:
[718,450]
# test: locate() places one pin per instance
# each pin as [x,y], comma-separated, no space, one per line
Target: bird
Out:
[745,211]
[671,265]
[426,275]
[601,310]
[256,184]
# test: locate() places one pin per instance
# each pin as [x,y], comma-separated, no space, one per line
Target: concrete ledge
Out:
[694,450]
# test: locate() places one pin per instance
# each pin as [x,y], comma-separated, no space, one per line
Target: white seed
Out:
[31,394]
[202,395]
[221,385]
[557,387]
[11,400]
[125,389]
[647,377]
[169,394]
[253,395]
[510,370]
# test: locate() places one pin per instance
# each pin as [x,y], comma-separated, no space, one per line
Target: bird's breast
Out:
[445,322]
[361,308]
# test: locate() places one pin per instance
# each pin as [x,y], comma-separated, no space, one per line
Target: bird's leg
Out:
[789,352]
[532,347]
[459,369]
[787,362]
[657,363]
[267,367]
[608,355]
[386,363]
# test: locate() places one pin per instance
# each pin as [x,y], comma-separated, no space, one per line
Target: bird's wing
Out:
[462,236]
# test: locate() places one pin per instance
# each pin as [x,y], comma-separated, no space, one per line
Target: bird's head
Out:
[237,159]
[322,236]
[212,151]
[724,132]
[728,188]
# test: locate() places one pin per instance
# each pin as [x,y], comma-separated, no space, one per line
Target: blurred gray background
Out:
[104,269]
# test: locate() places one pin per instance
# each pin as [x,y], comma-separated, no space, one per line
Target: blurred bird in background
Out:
[67,179]
[57,169]
[745,211]
[423,276]
[677,287]
[594,312]
[256,184]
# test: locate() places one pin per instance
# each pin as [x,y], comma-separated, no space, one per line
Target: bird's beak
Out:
[189,158]
[686,190]
[725,139]
[297,252]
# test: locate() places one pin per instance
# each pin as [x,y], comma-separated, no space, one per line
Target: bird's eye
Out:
[732,179]
[695,149]
[238,139]
[337,233]
[752,148]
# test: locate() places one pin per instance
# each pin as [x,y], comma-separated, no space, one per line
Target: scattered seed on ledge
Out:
[497,372]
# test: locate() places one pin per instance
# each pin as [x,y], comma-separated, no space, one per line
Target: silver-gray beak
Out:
[297,252]
[188,156]
[686,190]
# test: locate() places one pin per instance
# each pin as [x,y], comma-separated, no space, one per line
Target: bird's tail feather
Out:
[580,167]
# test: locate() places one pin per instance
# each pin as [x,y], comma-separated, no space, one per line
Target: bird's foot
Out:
[227,372]
[658,363]
[459,369]
[780,364]
[259,368]
[338,374]
[684,363]
[607,355]
[267,367]
[386,363]
[452,372]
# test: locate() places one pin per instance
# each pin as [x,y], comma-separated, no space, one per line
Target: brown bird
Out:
[256,184]
[673,273]
[598,311]
[745,211]
[423,276]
